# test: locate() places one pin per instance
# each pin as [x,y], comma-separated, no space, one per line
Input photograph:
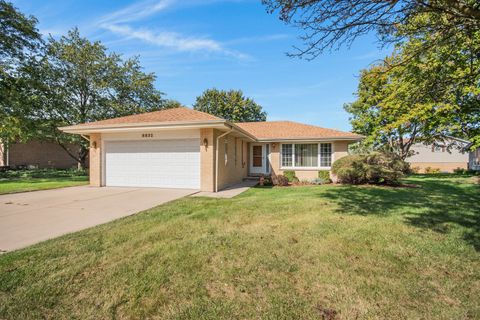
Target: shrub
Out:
[42,173]
[267,180]
[290,175]
[415,169]
[281,180]
[460,171]
[374,168]
[324,175]
[432,170]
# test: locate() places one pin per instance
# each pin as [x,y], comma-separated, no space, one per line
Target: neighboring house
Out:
[184,148]
[35,154]
[445,155]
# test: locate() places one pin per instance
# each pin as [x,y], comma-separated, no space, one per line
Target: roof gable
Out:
[180,114]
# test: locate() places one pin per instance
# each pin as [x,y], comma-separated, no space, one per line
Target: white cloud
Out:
[136,11]
[118,22]
[174,40]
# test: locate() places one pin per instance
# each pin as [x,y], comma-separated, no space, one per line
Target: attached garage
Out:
[171,163]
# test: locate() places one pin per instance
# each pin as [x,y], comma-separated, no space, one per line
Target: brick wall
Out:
[41,154]
[340,149]
[95,157]
[232,169]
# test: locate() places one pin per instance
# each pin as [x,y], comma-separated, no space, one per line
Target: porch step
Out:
[251,178]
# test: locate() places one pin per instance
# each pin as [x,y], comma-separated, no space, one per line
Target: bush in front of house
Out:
[281,180]
[429,170]
[42,173]
[324,175]
[290,175]
[373,168]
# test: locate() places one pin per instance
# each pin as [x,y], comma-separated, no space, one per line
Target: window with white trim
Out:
[287,155]
[306,155]
[325,154]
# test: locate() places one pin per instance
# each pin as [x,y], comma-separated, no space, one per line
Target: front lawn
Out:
[314,252]
[30,180]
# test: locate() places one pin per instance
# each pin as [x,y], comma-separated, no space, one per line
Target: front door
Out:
[258,159]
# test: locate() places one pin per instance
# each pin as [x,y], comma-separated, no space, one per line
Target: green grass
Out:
[346,252]
[32,180]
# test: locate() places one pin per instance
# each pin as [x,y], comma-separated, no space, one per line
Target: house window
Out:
[325,154]
[306,155]
[287,155]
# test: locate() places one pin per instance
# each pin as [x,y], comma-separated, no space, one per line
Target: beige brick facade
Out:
[207,160]
[96,160]
[340,149]
[233,159]
[232,165]
[231,169]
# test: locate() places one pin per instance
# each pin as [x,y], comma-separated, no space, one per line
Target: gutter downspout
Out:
[216,156]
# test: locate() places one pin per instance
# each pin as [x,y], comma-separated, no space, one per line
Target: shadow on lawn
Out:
[436,205]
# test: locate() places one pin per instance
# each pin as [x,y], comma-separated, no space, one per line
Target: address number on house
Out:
[147,135]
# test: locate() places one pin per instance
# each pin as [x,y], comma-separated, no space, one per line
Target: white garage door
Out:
[155,163]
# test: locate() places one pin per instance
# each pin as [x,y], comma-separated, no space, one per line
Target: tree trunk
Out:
[82,157]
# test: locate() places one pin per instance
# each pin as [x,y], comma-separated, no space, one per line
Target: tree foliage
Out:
[373,168]
[435,95]
[230,105]
[78,81]
[329,24]
[19,39]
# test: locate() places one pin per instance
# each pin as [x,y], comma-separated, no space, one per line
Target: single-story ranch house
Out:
[185,148]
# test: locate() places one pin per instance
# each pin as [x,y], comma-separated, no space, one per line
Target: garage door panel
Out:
[155,163]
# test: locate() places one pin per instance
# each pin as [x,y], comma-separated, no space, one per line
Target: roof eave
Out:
[310,139]
[88,129]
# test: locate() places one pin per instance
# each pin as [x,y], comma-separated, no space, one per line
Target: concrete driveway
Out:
[30,217]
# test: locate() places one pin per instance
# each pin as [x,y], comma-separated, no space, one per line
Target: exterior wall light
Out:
[205,142]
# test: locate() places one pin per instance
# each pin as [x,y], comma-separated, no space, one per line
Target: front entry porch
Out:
[259,162]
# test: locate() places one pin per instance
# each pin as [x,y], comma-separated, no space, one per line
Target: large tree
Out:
[433,76]
[435,95]
[78,81]
[375,113]
[19,40]
[231,105]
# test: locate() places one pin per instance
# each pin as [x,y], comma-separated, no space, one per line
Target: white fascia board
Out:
[311,139]
[143,127]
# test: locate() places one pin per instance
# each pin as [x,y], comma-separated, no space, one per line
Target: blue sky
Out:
[192,45]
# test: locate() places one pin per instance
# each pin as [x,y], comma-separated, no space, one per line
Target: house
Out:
[446,155]
[185,148]
[36,154]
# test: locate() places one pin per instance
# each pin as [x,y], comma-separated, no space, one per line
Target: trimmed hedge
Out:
[290,175]
[324,175]
[374,168]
